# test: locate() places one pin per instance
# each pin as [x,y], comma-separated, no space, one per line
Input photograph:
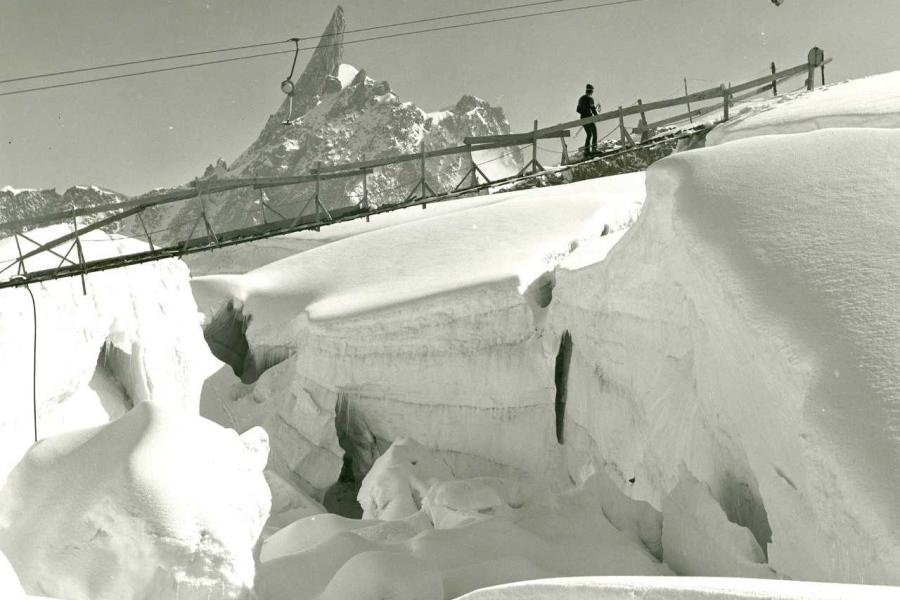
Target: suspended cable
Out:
[273,43]
[345,43]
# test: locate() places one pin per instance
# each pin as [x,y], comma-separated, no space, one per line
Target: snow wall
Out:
[740,339]
[131,335]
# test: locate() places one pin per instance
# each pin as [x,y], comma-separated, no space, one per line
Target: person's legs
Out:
[590,142]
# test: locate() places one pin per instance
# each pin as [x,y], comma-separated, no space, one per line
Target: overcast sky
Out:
[161,130]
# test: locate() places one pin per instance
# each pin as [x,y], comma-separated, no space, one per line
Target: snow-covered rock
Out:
[135,336]
[157,504]
[22,204]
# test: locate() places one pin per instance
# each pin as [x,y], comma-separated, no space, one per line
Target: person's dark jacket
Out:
[586,106]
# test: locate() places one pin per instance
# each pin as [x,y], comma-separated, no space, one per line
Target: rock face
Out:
[22,204]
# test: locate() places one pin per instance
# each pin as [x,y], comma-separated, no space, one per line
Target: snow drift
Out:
[157,504]
[430,536]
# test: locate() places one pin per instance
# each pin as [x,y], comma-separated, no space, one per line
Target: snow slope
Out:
[870,102]
[135,336]
[157,504]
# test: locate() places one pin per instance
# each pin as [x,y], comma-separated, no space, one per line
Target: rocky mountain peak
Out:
[321,71]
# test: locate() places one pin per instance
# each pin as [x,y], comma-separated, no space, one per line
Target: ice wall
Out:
[747,326]
[134,336]
[425,324]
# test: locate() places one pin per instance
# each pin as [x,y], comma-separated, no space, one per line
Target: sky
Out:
[135,134]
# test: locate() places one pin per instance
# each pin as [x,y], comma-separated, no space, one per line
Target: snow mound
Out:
[155,504]
[399,479]
[678,588]
[872,102]
[746,325]
[330,557]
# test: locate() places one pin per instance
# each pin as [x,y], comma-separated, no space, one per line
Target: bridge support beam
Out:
[533,164]
[422,183]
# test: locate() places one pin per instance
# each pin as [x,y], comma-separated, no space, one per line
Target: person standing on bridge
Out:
[587,108]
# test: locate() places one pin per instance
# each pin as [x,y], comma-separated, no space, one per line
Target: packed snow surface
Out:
[157,504]
[516,235]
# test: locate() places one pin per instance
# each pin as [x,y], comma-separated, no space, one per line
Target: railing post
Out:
[21,269]
[815,58]
[422,161]
[645,131]
[688,102]
[365,198]
[472,165]
[725,95]
[774,81]
[623,133]
[564,159]
[262,206]
[534,160]
[80,252]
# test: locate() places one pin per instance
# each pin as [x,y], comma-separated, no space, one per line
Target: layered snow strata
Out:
[429,328]
[156,504]
[134,336]
[747,326]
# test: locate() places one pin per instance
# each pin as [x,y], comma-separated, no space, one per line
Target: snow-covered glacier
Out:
[729,359]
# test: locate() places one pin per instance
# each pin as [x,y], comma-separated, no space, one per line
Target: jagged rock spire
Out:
[324,62]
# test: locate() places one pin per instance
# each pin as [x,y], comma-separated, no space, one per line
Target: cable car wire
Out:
[273,43]
[279,52]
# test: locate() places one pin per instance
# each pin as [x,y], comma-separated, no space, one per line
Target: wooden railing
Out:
[725,95]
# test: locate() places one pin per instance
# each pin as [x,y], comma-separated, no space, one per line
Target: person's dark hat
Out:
[589,88]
